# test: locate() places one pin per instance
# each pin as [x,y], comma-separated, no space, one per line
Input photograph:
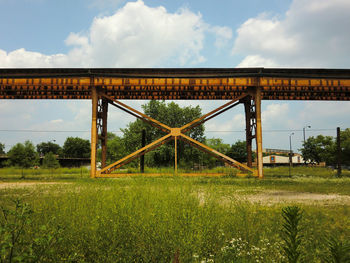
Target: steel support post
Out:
[258,139]
[102,128]
[175,155]
[94,136]
[250,122]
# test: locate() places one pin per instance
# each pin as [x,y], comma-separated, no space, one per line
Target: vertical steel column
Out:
[94,135]
[175,155]
[258,131]
[248,130]
[103,113]
[142,157]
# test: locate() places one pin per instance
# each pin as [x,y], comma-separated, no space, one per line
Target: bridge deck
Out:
[174,84]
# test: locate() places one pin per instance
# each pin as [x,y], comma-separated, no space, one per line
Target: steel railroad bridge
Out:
[106,86]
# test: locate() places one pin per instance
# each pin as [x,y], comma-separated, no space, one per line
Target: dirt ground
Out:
[265,197]
[26,184]
[282,196]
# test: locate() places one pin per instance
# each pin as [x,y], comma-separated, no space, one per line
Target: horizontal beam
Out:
[173,84]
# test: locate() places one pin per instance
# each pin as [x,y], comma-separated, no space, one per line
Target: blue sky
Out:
[165,33]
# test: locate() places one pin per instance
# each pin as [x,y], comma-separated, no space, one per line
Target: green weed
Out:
[158,219]
[291,233]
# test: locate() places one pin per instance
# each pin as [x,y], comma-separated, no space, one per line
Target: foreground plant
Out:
[338,251]
[12,226]
[291,233]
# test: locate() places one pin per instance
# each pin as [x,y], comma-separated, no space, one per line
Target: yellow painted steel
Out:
[222,156]
[139,152]
[120,175]
[173,133]
[187,127]
[144,116]
[258,138]
[94,135]
[175,139]
[139,87]
[195,84]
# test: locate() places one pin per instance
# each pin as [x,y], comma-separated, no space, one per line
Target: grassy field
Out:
[63,216]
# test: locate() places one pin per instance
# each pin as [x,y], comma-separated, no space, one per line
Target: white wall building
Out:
[278,159]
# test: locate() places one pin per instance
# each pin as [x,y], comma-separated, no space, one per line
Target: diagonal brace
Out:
[136,154]
[174,133]
[211,114]
[137,114]
[217,154]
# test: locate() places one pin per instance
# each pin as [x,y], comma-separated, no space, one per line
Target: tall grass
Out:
[143,219]
[42,173]
[302,171]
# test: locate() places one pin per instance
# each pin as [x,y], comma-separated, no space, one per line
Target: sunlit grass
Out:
[13,173]
[150,219]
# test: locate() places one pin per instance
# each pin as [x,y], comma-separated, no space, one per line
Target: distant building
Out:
[274,159]
[276,151]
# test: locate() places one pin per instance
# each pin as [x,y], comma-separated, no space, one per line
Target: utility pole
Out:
[308,126]
[290,153]
[338,153]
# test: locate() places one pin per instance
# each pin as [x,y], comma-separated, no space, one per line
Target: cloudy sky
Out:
[168,33]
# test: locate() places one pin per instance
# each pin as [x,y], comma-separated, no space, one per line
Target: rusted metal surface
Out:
[208,84]
[120,175]
[110,85]
[258,138]
[174,134]
[94,134]
[250,121]
[102,128]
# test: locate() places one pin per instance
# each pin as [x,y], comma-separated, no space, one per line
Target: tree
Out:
[2,148]
[115,149]
[76,147]
[50,161]
[47,147]
[23,155]
[172,115]
[238,151]
[218,145]
[345,146]
[319,149]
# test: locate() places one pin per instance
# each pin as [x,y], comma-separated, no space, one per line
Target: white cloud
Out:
[275,115]
[23,58]
[134,36]
[257,61]
[311,34]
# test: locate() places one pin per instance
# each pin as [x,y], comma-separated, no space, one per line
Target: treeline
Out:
[26,155]
[324,149]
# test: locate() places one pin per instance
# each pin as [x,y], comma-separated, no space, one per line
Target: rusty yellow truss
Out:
[172,133]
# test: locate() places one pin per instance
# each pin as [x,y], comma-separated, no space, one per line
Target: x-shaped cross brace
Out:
[174,134]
